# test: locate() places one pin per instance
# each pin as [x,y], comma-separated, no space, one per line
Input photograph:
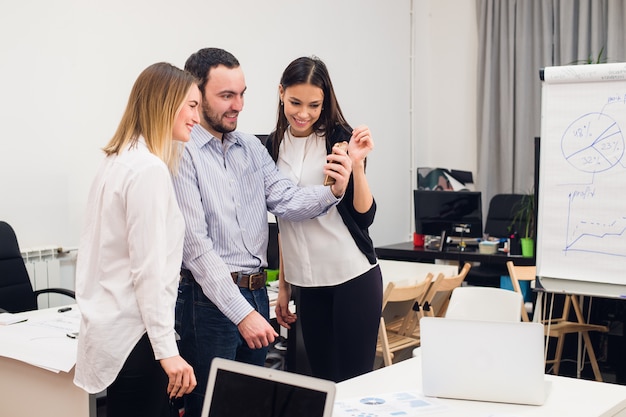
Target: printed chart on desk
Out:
[582,176]
[396,404]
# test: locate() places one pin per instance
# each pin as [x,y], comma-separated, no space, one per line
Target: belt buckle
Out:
[251,277]
[258,275]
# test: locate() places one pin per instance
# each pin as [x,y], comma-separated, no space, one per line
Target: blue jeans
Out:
[207,333]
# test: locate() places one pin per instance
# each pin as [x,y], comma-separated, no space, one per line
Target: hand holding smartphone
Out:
[339,145]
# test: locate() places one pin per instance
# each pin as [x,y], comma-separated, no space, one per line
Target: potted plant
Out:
[524,221]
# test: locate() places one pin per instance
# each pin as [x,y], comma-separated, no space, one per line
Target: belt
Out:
[250,281]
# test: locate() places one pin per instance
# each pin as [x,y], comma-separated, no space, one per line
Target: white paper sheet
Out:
[405,403]
[42,340]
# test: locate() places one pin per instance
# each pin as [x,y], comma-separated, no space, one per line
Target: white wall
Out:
[68,66]
[446,49]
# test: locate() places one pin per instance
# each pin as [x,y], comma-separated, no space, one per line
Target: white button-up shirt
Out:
[128,265]
[316,252]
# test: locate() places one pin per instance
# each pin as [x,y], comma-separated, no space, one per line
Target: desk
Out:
[407,273]
[405,251]
[29,390]
[568,396]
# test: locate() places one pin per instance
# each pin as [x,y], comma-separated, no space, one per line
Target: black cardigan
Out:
[357,223]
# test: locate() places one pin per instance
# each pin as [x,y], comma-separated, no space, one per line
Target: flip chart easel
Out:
[581,239]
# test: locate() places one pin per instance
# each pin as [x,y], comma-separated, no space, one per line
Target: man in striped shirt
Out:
[227,182]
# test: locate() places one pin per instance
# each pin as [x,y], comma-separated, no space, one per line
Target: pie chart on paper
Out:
[372,401]
[593,143]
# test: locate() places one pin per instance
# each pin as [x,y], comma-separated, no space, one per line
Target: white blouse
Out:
[128,265]
[319,251]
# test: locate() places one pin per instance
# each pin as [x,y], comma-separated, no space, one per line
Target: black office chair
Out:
[498,224]
[502,208]
[16,291]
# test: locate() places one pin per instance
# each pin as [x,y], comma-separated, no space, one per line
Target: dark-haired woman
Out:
[331,259]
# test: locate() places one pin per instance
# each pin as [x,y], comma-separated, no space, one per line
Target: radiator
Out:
[44,269]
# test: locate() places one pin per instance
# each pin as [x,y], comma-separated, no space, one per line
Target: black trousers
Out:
[140,388]
[340,326]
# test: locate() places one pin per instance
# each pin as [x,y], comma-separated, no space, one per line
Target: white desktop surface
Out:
[407,273]
[27,389]
[569,397]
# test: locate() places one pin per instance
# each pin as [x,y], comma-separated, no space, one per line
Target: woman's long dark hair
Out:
[310,70]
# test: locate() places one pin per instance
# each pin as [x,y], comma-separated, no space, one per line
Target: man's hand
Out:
[284,317]
[256,331]
[182,380]
[339,167]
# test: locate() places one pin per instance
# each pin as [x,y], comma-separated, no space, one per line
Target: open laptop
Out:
[237,389]
[485,361]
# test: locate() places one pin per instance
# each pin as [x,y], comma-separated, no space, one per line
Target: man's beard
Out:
[215,121]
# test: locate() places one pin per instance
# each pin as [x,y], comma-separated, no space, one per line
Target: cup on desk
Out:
[418,240]
[488,247]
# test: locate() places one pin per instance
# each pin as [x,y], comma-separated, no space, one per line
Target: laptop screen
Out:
[248,391]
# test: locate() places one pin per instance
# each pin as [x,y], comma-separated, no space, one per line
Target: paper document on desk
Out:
[43,341]
[405,403]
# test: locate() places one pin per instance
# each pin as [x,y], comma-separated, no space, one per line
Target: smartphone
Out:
[340,145]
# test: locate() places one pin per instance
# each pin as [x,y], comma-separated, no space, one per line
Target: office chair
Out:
[501,213]
[558,327]
[485,303]
[16,290]
[498,224]
[482,303]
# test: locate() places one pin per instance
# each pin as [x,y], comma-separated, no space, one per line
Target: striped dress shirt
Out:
[225,189]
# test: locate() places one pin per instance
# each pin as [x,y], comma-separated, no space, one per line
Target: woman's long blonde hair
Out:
[154,102]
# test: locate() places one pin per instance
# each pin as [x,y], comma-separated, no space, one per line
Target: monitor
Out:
[457,213]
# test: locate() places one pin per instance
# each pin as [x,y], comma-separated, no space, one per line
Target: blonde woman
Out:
[130,252]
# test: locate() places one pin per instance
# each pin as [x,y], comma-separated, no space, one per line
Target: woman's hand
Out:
[284,316]
[360,144]
[339,166]
[182,380]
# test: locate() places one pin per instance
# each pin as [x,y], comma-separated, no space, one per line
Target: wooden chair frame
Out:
[560,326]
[437,304]
[409,326]
[395,336]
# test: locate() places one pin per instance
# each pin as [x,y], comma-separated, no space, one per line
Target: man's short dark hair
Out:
[200,63]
